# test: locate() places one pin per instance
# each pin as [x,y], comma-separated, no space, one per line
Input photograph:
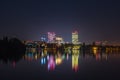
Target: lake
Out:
[61,65]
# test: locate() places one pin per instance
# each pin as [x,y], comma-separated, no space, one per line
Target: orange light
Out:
[58,61]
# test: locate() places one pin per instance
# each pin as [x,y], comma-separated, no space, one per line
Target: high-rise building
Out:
[75,37]
[43,37]
[51,37]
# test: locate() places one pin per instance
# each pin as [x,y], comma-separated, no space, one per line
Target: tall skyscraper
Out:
[43,37]
[75,37]
[51,37]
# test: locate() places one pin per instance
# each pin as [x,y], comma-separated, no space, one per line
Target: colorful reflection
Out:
[45,51]
[51,63]
[95,49]
[29,56]
[75,57]
[43,60]
[75,51]
[96,53]
[58,60]
[67,57]
[32,50]
[98,56]
[75,62]
[53,60]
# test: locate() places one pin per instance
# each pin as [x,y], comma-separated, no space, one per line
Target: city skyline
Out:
[95,20]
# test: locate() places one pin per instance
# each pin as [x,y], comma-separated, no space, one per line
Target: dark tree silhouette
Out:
[11,49]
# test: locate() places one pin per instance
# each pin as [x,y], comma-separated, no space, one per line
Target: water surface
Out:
[61,65]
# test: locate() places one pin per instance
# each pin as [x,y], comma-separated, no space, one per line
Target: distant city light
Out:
[43,38]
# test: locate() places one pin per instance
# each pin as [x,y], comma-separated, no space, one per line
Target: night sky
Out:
[95,20]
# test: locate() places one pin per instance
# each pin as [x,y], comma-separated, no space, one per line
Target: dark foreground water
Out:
[62,66]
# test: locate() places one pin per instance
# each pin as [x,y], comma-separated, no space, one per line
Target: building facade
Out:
[75,37]
[51,37]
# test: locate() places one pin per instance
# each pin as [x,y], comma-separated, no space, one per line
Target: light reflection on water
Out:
[53,60]
[62,65]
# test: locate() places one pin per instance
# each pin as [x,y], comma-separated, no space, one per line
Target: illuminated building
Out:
[75,37]
[98,43]
[43,38]
[58,40]
[51,37]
